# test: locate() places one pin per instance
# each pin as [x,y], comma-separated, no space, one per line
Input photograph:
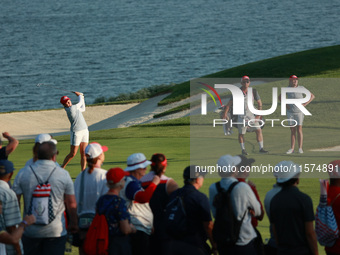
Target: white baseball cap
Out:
[94,149]
[136,161]
[286,170]
[229,162]
[45,138]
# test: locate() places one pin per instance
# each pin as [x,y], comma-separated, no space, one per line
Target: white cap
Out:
[229,162]
[286,170]
[45,138]
[94,149]
[136,161]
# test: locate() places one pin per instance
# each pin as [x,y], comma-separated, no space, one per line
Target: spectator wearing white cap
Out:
[295,115]
[245,204]
[136,197]
[79,129]
[116,213]
[39,140]
[10,147]
[271,247]
[248,116]
[333,198]
[291,214]
[89,185]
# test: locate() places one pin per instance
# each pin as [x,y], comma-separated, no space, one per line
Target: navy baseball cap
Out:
[6,167]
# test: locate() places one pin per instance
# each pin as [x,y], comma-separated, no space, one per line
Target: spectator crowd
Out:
[147,212]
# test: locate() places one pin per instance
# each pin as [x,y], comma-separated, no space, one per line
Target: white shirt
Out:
[94,187]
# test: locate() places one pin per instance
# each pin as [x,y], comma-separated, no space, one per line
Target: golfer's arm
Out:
[81,103]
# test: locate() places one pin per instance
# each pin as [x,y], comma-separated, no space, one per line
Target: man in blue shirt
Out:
[79,130]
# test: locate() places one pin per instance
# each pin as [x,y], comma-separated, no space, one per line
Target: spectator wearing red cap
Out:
[159,199]
[136,197]
[79,130]
[248,116]
[334,200]
[295,115]
[10,147]
[89,185]
[115,210]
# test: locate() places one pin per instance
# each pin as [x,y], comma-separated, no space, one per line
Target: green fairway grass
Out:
[172,137]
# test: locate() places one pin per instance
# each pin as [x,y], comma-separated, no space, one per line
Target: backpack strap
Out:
[81,192]
[331,204]
[36,176]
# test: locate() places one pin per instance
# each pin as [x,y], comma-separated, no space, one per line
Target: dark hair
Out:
[288,183]
[47,150]
[158,163]
[91,162]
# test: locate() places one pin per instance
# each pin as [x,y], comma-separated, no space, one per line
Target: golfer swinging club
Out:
[79,131]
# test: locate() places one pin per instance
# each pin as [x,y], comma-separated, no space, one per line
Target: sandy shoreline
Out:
[26,125]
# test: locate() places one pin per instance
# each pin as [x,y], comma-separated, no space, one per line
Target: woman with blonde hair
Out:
[89,185]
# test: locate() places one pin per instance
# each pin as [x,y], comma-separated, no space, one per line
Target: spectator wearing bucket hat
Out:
[295,115]
[198,217]
[79,129]
[10,147]
[333,198]
[116,213]
[137,201]
[244,202]
[11,212]
[292,214]
[39,139]
[271,247]
[89,185]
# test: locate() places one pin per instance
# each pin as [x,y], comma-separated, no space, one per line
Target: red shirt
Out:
[333,191]
[254,220]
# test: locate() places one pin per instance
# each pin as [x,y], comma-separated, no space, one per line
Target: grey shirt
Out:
[75,115]
[61,184]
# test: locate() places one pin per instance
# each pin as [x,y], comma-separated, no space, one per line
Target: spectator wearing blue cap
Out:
[11,211]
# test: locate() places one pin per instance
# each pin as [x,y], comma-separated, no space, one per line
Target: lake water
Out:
[104,48]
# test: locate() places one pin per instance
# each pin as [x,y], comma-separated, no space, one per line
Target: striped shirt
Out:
[11,215]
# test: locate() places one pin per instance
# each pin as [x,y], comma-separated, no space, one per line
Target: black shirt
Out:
[289,210]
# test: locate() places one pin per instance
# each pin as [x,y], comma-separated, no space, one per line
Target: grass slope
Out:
[321,62]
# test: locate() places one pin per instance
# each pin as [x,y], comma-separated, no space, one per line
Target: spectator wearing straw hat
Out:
[292,214]
[135,197]
[89,185]
[115,210]
[333,198]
